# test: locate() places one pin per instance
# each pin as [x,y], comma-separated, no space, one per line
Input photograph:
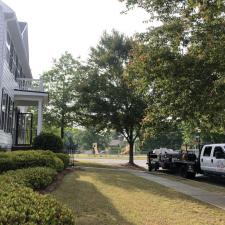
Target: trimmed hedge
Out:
[48,141]
[25,159]
[65,158]
[36,178]
[21,205]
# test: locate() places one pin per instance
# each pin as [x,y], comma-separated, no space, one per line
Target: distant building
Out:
[18,90]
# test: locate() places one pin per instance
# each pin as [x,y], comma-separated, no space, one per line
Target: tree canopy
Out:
[105,99]
[59,82]
[182,61]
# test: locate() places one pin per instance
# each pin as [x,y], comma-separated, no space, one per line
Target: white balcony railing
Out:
[27,84]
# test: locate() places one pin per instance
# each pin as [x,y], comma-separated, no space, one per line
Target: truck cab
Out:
[212,159]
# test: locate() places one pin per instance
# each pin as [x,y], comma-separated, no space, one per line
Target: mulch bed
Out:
[58,180]
[134,166]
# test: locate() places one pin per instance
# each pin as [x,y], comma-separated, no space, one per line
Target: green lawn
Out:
[106,197]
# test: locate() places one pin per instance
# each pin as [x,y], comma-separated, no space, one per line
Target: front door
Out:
[24,129]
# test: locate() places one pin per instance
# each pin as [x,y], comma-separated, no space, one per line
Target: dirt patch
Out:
[133,166]
[58,180]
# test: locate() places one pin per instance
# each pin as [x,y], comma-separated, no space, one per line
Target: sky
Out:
[56,26]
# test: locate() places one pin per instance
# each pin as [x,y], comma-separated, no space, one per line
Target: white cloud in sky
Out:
[56,26]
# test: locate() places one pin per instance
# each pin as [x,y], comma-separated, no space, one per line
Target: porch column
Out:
[39,125]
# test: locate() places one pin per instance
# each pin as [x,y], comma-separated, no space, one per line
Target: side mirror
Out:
[220,155]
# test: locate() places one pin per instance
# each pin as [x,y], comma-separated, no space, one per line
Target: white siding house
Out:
[18,90]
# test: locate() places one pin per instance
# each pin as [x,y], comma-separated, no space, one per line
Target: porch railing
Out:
[27,84]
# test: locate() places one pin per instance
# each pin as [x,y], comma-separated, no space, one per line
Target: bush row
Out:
[25,159]
[21,205]
[65,158]
[36,178]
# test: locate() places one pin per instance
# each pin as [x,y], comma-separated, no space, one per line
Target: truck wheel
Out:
[184,173]
[191,175]
[156,166]
[150,167]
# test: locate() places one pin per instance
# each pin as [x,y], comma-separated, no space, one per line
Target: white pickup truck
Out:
[210,160]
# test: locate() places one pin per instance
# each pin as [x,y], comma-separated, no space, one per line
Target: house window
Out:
[8,41]
[3,108]
[10,116]
[6,112]
[20,72]
[12,52]
[12,58]
[15,59]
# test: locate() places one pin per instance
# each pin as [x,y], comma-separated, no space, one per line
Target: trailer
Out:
[209,160]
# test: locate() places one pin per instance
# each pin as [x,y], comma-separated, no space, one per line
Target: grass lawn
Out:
[106,197]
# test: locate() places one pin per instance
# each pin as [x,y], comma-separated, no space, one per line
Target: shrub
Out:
[65,158]
[25,159]
[48,141]
[20,205]
[36,178]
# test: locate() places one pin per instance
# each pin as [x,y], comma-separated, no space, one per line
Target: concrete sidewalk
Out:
[215,199]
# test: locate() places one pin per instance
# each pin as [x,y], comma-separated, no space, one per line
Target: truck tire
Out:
[156,166]
[184,173]
[191,175]
[150,168]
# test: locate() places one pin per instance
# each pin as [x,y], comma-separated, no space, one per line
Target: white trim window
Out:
[7,108]
[8,41]
[12,58]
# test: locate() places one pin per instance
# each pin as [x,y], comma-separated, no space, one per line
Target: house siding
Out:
[7,80]
[5,139]
[20,52]
[2,31]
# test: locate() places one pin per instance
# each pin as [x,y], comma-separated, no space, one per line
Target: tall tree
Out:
[105,98]
[59,82]
[184,58]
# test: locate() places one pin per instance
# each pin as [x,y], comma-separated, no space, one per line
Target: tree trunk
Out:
[62,127]
[131,153]
[62,132]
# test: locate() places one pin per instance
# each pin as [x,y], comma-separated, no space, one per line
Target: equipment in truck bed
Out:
[175,161]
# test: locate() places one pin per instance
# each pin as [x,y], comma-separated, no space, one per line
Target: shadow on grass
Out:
[132,183]
[89,206]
